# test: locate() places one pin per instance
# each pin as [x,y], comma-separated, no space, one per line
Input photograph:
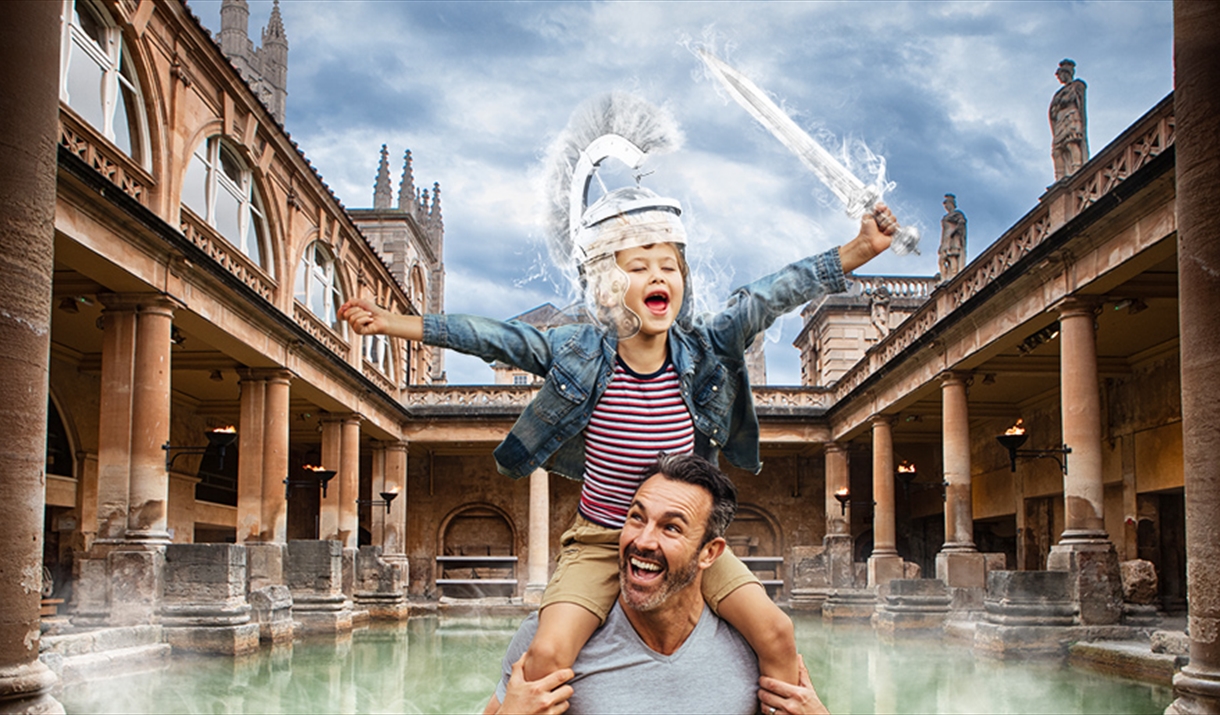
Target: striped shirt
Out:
[637,418]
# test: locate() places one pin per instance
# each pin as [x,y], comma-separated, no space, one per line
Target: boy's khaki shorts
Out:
[587,574]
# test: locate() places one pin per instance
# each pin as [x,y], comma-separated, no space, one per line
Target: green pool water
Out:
[431,665]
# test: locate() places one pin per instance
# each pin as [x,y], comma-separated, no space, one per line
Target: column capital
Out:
[835,447]
[253,374]
[879,419]
[1078,305]
[953,377]
[343,417]
[120,302]
[394,445]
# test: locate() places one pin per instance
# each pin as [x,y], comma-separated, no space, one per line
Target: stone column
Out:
[274,517]
[1197,73]
[1084,549]
[250,456]
[150,416]
[1083,490]
[539,535]
[394,544]
[838,516]
[114,423]
[958,564]
[884,564]
[332,458]
[377,477]
[28,103]
[349,482]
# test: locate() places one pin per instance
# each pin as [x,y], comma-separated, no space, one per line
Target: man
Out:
[661,649]
[952,238]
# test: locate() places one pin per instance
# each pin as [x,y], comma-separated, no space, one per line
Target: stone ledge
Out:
[99,665]
[1126,659]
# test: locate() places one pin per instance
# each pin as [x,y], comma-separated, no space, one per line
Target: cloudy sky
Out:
[953,95]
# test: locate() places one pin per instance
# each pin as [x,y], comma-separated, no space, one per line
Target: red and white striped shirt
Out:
[637,418]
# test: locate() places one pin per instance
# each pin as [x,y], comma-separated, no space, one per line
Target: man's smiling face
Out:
[660,548]
[655,285]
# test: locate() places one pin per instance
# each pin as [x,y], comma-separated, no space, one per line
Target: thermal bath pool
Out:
[432,665]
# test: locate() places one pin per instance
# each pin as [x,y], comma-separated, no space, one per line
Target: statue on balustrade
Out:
[952,239]
[1069,137]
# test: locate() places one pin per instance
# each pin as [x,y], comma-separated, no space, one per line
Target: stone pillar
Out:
[349,482]
[314,574]
[958,564]
[539,536]
[150,414]
[394,543]
[332,458]
[1084,549]
[114,423]
[250,456]
[838,516]
[884,564]
[377,522]
[205,608]
[1197,71]
[1083,490]
[28,103]
[274,517]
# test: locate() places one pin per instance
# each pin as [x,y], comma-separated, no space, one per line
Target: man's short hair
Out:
[693,469]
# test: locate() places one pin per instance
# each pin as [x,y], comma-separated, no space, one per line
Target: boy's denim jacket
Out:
[578,362]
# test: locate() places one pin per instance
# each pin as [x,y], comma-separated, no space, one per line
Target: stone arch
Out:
[474,526]
[755,532]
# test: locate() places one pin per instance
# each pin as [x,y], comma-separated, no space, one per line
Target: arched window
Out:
[376,350]
[97,80]
[317,286]
[220,190]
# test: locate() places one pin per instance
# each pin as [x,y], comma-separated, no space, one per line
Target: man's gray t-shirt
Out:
[714,671]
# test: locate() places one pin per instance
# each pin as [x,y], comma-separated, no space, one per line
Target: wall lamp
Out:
[844,498]
[1015,436]
[320,476]
[219,438]
[385,500]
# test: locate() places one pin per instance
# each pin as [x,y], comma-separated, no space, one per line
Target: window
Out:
[520,379]
[317,287]
[220,189]
[97,81]
[376,350]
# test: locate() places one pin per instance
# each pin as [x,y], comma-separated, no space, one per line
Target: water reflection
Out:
[431,665]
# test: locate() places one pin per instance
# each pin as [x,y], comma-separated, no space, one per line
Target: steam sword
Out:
[856,196]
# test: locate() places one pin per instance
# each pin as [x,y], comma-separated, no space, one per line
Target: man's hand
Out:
[368,318]
[780,697]
[876,232]
[545,695]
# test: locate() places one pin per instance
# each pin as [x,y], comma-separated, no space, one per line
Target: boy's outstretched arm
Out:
[876,232]
[368,318]
[767,629]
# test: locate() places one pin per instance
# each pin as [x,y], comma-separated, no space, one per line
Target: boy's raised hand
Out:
[876,231]
[368,318]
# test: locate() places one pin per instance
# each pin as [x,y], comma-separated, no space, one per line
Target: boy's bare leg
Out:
[563,629]
[767,629]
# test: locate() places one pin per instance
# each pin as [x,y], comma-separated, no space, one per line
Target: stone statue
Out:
[1069,140]
[952,239]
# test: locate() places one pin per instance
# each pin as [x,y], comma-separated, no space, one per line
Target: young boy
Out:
[648,378]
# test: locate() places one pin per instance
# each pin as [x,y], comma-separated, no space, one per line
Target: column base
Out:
[960,568]
[1197,691]
[883,569]
[911,608]
[27,688]
[329,615]
[214,640]
[849,605]
[1097,584]
[533,594]
[271,609]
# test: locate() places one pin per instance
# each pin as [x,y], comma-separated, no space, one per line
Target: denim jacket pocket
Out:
[560,393]
[712,391]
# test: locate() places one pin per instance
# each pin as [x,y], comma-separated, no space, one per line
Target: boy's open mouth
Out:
[657,303]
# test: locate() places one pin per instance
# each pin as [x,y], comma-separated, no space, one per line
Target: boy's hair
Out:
[693,469]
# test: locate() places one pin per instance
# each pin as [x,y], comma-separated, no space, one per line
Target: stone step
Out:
[104,664]
[100,640]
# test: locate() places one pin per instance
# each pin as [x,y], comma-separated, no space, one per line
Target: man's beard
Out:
[673,581]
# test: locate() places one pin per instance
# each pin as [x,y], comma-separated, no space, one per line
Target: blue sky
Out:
[953,95]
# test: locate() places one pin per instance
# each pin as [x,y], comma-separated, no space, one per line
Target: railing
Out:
[315,327]
[896,286]
[377,378]
[485,579]
[116,166]
[226,254]
[1146,139]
